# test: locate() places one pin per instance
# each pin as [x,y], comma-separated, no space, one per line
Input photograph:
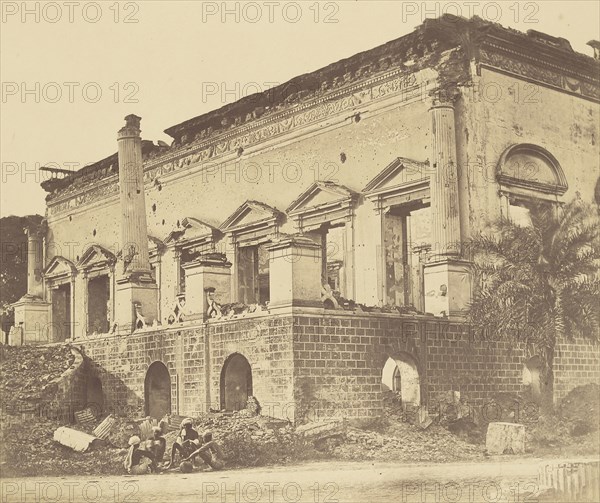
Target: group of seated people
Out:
[146,457]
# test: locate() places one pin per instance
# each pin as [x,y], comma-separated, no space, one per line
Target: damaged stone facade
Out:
[363,178]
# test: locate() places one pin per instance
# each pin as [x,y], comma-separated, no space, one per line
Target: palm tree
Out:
[540,283]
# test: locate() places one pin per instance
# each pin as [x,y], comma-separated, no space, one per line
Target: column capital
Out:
[35,231]
[444,98]
[131,127]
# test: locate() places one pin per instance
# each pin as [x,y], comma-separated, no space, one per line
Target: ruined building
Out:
[197,274]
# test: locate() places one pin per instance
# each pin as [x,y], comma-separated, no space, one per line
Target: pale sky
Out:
[184,58]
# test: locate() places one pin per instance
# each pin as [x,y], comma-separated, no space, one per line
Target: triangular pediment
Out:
[154,243]
[190,228]
[96,256]
[400,171]
[59,267]
[251,213]
[321,194]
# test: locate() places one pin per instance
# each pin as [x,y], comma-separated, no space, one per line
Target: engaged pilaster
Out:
[295,272]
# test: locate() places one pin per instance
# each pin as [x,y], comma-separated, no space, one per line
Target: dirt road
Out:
[495,481]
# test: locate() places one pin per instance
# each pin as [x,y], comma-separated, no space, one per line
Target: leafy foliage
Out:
[541,282]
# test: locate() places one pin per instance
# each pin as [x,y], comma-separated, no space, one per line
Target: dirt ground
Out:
[249,440]
[510,480]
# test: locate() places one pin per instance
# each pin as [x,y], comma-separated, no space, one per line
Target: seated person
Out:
[138,461]
[157,445]
[186,443]
[210,452]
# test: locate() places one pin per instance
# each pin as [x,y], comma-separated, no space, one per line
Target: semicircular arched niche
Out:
[528,167]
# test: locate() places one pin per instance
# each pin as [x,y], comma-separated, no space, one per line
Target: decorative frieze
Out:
[408,85]
[552,75]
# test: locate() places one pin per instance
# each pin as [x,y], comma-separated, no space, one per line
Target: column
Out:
[444,182]
[447,279]
[32,313]
[135,285]
[35,261]
[134,231]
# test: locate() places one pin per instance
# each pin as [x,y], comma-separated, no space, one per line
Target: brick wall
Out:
[121,363]
[70,392]
[576,362]
[266,342]
[311,366]
[339,363]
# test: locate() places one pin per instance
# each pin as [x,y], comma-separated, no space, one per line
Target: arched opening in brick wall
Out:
[95,396]
[532,377]
[236,382]
[157,390]
[401,374]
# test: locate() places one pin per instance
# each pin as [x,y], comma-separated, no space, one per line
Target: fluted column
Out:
[444,182]
[136,293]
[134,231]
[446,276]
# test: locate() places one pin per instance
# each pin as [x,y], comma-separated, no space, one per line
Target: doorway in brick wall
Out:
[532,377]
[157,391]
[236,382]
[401,375]
[95,396]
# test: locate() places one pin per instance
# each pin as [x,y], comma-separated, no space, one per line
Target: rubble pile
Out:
[581,408]
[249,439]
[396,440]
[120,432]
[252,440]
[28,449]
[28,374]
[572,426]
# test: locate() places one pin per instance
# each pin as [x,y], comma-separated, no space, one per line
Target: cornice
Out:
[391,84]
[579,78]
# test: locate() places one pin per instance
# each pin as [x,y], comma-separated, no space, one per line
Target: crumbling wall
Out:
[70,391]
[121,364]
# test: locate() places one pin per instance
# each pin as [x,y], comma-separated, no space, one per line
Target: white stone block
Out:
[505,438]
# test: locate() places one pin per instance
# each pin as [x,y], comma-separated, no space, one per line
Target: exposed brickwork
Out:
[70,392]
[121,363]
[310,366]
[339,361]
[266,343]
[576,362]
